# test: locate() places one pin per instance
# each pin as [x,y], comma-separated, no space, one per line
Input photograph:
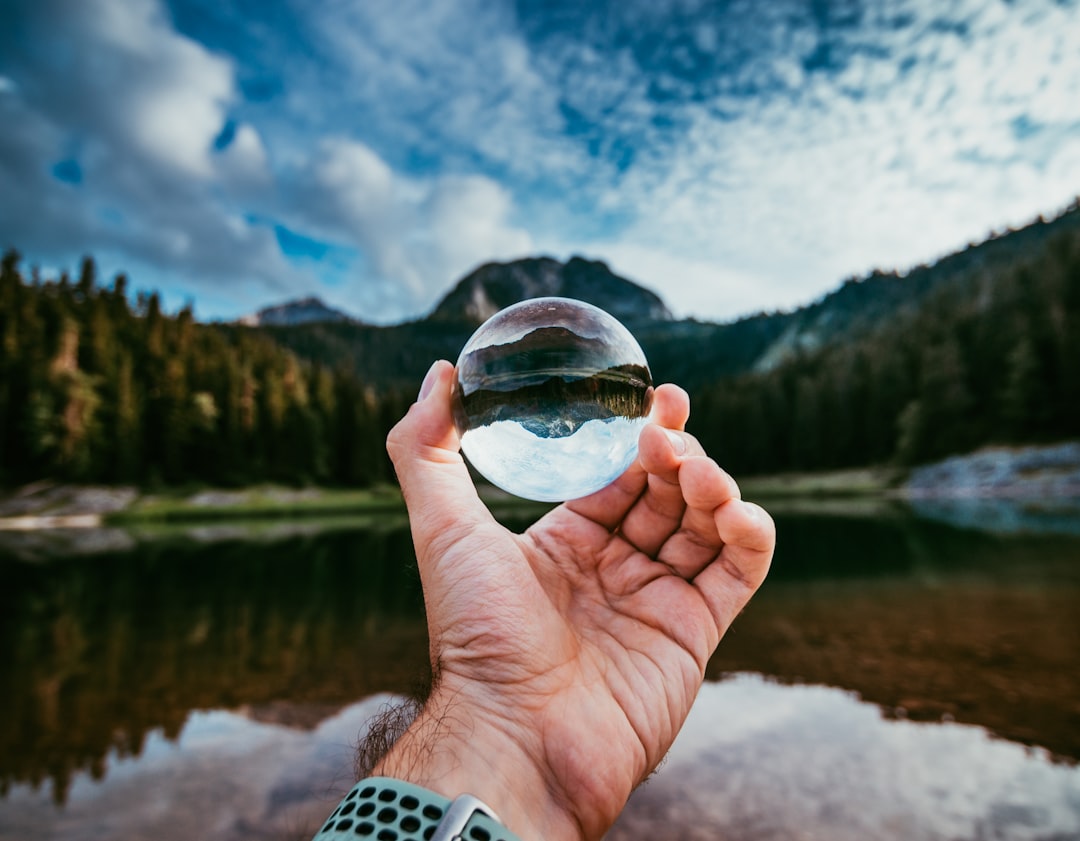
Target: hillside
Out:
[686,351]
[979,348]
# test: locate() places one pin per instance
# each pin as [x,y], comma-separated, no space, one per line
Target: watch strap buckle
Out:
[457,817]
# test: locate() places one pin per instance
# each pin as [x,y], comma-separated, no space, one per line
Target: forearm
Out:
[454,747]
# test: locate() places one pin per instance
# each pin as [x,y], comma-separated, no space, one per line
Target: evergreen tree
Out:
[92,390]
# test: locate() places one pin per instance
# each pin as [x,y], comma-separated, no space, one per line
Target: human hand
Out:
[566,659]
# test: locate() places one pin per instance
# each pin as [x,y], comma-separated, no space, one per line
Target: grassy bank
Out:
[865,481]
[51,505]
[259,502]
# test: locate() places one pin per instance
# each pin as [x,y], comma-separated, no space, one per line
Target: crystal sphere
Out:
[550,398]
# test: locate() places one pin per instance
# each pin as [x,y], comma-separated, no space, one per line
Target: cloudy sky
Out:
[733,156]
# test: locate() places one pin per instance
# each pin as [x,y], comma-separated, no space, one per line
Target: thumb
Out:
[425,449]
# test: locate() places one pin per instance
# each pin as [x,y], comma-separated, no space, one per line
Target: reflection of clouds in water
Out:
[762,760]
[555,467]
[756,760]
[226,777]
[1003,516]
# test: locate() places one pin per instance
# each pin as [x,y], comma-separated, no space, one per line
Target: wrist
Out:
[459,747]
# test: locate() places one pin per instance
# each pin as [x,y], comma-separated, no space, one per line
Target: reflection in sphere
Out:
[551,396]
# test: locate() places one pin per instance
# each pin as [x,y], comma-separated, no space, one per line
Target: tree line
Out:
[94,387]
[993,358]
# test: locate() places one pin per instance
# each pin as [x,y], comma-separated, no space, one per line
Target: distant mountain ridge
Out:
[690,352]
[309,310]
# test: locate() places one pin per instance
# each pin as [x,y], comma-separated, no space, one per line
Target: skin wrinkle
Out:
[657,626]
[720,610]
[652,627]
[653,501]
[611,555]
[448,536]
[603,669]
[539,709]
[662,570]
[673,727]
[616,650]
[732,569]
[610,561]
[696,540]
[660,502]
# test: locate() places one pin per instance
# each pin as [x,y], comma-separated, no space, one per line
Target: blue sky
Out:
[732,156]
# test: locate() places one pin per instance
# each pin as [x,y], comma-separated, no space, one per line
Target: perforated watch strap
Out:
[393,810]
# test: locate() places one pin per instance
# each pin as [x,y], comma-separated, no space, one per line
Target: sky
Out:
[733,156]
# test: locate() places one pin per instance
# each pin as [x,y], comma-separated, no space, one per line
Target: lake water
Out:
[898,677]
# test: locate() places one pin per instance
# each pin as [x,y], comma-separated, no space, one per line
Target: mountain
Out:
[494,286]
[690,352]
[861,305]
[304,311]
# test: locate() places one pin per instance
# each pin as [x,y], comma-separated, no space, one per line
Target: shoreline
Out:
[1037,475]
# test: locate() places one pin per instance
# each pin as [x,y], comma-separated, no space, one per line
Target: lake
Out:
[902,675]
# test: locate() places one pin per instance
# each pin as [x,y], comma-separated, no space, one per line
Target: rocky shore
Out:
[1037,472]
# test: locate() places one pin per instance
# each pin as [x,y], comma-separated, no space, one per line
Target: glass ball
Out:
[550,398]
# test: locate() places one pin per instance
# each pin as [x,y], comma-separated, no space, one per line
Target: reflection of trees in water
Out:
[101,651]
[558,406]
[930,622]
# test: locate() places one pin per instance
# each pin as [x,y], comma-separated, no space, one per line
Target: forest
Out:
[98,387]
[990,358]
[95,388]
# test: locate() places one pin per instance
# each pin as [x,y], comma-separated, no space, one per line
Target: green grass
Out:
[838,483]
[256,503]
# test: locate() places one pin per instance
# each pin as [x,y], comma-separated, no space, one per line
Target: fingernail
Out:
[678,443]
[428,384]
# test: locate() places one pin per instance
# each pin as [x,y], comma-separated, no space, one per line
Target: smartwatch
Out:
[385,809]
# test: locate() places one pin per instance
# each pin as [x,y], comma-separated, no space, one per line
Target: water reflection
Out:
[111,652]
[762,761]
[755,760]
[929,621]
[101,650]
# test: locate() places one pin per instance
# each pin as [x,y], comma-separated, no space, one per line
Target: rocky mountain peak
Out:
[495,286]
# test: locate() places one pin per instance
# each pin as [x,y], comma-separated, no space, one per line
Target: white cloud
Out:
[112,84]
[116,71]
[358,180]
[469,223]
[245,159]
[869,167]
[416,235]
[688,285]
[733,160]
[449,80]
